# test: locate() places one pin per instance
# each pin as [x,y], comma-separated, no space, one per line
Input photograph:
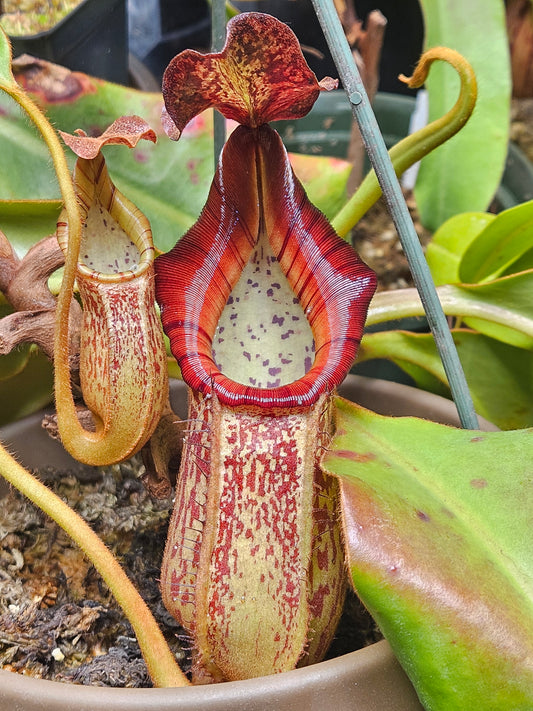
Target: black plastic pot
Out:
[326,131]
[172,26]
[402,42]
[91,39]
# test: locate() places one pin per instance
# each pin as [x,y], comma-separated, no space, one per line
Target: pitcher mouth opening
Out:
[258,214]
[116,237]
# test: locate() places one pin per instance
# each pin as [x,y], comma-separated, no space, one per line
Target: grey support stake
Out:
[218,38]
[379,157]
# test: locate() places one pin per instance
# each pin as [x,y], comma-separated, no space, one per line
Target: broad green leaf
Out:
[463,174]
[502,309]
[522,264]
[499,376]
[169,181]
[28,390]
[22,221]
[503,242]
[438,532]
[450,241]
[415,353]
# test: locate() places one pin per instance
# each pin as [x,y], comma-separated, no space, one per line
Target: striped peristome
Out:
[263,201]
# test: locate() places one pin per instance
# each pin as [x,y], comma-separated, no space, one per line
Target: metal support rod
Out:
[378,155]
[218,38]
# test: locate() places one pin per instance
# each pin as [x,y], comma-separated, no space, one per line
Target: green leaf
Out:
[499,376]
[450,241]
[415,353]
[22,221]
[6,77]
[168,181]
[29,389]
[463,174]
[522,264]
[437,527]
[504,242]
[502,309]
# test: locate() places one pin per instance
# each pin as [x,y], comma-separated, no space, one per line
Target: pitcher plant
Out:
[264,306]
[123,365]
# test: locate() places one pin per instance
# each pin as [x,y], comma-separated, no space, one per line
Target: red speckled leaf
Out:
[263,303]
[260,76]
[51,83]
[127,130]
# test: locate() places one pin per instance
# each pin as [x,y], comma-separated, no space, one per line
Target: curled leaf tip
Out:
[126,130]
[260,76]
[445,54]
[169,127]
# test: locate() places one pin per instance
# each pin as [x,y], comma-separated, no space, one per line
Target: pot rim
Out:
[359,671]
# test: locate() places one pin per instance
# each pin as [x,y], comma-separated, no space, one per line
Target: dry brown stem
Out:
[519,15]
[366,47]
[162,454]
[24,283]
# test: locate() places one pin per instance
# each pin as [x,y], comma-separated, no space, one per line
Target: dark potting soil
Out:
[522,125]
[377,242]
[57,618]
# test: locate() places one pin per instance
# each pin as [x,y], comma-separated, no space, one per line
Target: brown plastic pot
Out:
[369,679]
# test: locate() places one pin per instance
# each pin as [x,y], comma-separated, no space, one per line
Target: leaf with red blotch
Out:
[260,76]
[263,303]
[126,130]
